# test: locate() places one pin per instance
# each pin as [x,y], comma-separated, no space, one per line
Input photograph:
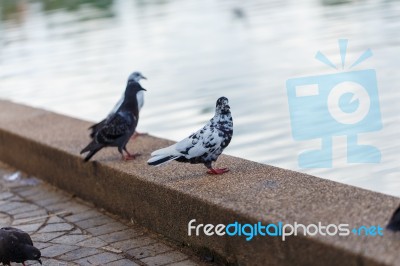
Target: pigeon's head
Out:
[32,253]
[136,77]
[222,106]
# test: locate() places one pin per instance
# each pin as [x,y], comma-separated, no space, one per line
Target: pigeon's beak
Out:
[143,77]
[143,89]
[40,261]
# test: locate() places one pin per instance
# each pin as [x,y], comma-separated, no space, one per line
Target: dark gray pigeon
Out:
[205,145]
[135,77]
[16,246]
[394,223]
[116,130]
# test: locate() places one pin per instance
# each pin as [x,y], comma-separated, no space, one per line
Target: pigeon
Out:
[117,129]
[394,223]
[135,77]
[203,146]
[16,246]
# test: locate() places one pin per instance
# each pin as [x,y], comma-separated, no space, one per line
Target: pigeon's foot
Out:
[130,157]
[137,134]
[217,171]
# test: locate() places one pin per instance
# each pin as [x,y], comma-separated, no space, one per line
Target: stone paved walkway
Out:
[69,231]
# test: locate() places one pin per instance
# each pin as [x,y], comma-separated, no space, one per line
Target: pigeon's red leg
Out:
[129,156]
[137,134]
[217,171]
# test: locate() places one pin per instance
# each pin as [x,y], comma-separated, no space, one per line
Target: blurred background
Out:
[74,56]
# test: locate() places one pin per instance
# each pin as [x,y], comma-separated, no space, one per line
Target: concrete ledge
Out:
[165,199]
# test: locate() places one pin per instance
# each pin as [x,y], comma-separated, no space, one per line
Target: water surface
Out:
[73,57]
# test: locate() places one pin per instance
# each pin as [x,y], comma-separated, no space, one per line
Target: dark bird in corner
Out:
[135,77]
[118,128]
[394,223]
[204,146]
[16,246]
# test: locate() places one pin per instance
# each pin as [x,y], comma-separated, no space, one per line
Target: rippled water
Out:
[73,57]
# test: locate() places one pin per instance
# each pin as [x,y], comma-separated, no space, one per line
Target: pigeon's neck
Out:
[223,120]
[222,113]
[130,100]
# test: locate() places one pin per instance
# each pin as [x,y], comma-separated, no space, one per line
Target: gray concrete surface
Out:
[69,231]
[165,199]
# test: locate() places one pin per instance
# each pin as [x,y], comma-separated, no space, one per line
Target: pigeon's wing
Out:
[199,143]
[96,127]
[7,243]
[117,126]
[18,235]
[24,238]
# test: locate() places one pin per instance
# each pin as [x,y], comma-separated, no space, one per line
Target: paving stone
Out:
[106,229]
[5,219]
[29,228]
[11,206]
[26,192]
[49,200]
[41,245]
[165,258]
[56,250]
[93,242]
[70,232]
[119,236]
[39,197]
[51,262]
[31,214]
[93,222]
[139,241]
[70,239]
[49,228]
[55,219]
[79,254]
[124,262]
[83,216]
[184,263]
[63,206]
[100,259]
[28,221]
[149,251]
[23,209]
[45,237]
[76,231]
[6,195]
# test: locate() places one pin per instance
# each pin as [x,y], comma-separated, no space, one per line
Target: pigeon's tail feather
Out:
[92,153]
[92,148]
[170,150]
[88,147]
[96,128]
[164,155]
[161,159]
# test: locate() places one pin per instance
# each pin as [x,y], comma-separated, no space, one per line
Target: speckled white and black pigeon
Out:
[16,246]
[203,146]
[394,223]
[133,79]
[116,130]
